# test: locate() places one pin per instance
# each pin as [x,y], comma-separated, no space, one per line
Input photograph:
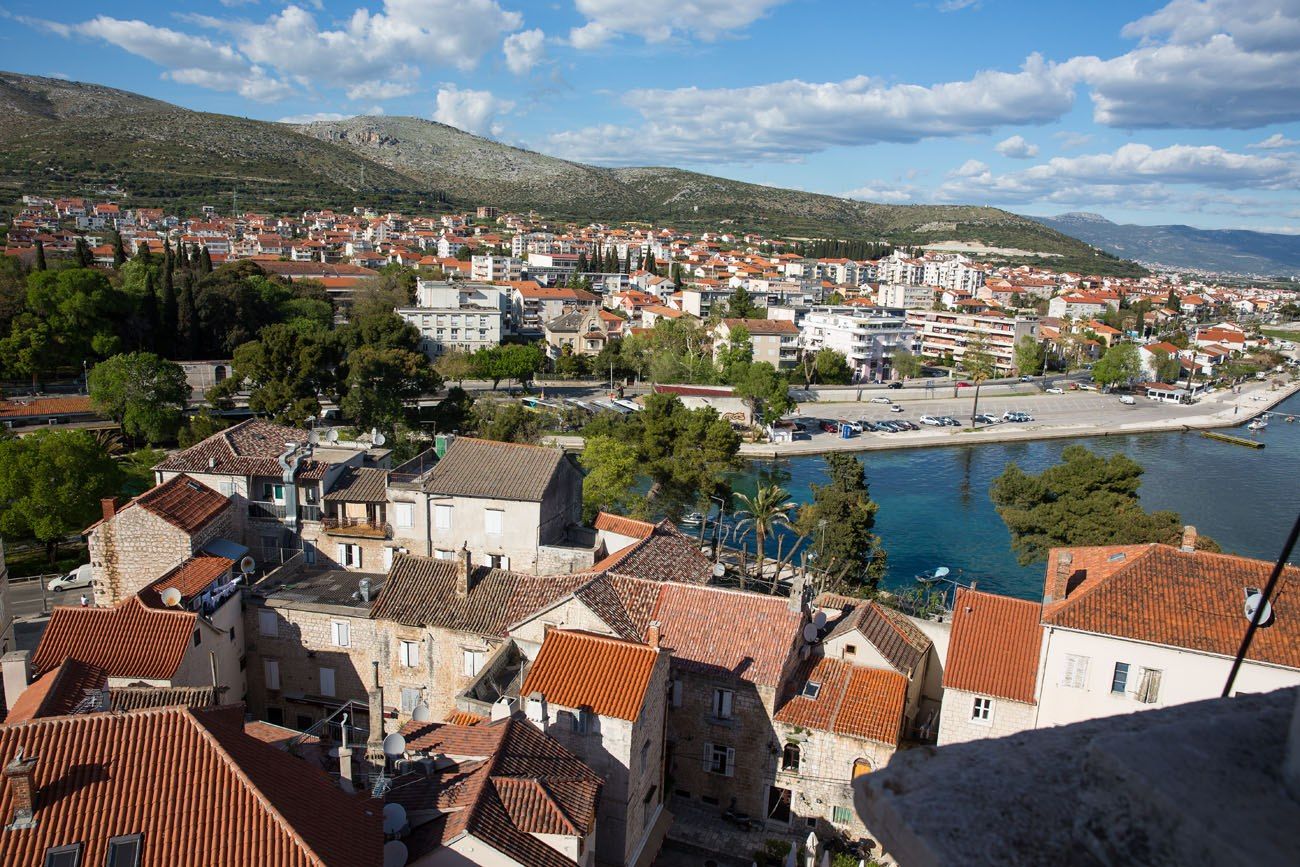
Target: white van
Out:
[77,578]
[1127,399]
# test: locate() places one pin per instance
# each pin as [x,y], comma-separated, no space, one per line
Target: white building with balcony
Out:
[867,337]
[941,333]
[775,341]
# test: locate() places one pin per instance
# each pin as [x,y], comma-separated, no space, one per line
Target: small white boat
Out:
[692,519]
[1257,424]
[932,576]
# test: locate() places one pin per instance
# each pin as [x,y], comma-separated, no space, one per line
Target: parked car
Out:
[985,418]
[910,425]
[932,420]
[1055,390]
[74,580]
[881,400]
[949,421]
[1127,399]
[1088,386]
[894,385]
[963,384]
[829,426]
[1026,378]
[1017,416]
[895,408]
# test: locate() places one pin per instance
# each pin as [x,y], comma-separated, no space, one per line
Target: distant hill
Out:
[1229,251]
[62,137]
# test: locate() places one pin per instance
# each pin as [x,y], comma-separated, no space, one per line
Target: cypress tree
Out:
[142,254]
[650,262]
[166,340]
[119,254]
[205,261]
[149,314]
[40,256]
[611,261]
[84,259]
[582,261]
[186,329]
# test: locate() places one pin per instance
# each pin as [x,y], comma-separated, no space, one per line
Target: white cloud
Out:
[958,5]
[1135,171]
[314,118]
[663,20]
[524,50]
[368,90]
[787,119]
[474,111]
[883,191]
[1016,148]
[1276,140]
[1070,140]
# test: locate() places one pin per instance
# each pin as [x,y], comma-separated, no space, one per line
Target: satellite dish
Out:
[719,570]
[810,633]
[421,713]
[394,818]
[379,439]
[394,853]
[941,572]
[819,619]
[247,565]
[1254,598]
[171,597]
[332,436]
[394,745]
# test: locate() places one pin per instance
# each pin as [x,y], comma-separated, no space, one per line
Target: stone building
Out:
[136,543]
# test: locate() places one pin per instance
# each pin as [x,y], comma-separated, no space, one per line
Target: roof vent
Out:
[1116,557]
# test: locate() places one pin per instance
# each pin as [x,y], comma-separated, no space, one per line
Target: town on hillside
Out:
[293,580]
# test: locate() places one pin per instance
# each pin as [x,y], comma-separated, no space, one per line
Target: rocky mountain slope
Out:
[61,137]
[1228,251]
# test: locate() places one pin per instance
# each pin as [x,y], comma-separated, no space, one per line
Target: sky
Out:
[1185,111]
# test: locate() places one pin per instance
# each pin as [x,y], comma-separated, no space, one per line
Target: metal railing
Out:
[367,526]
[269,511]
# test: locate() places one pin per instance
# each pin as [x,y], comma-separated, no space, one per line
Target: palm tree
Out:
[770,507]
[979,365]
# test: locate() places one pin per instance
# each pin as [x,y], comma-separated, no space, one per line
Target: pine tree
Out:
[205,261]
[166,338]
[149,315]
[119,255]
[186,330]
[40,256]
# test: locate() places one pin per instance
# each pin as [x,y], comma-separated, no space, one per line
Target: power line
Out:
[1263,603]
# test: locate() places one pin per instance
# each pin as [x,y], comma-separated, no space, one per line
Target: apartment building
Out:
[775,341]
[489,269]
[867,337]
[941,333]
[905,295]
[464,328]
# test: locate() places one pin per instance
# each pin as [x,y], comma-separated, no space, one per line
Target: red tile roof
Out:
[897,639]
[250,448]
[579,669]
[764,326]
[191,578]
[43,406]
[750,635]
[1163,595]
[57,692]
[852,700]
[130,640]
[185,503]
[667,554]
[994,646]
[623,526]
[199,791]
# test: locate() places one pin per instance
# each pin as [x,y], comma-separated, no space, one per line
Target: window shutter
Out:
[342,558]
[388,559]
[1149,690]
[677,693]
[708,757]
[271,668]
[327,681]
[731,762]
[726,705]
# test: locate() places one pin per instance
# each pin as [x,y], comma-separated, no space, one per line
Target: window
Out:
[341,633]
[493,521]
[410,698]
[812,689]
[196,639]
[408,653]
[498,561]
[982,711]
[850,649]
[1149,686]
[1076,671]
[275,715]
[271,671]
[860,767]
[403,515]
[440,554]
[722,703]
[676,698]
[350,556]
[790,758]
[442,517]
[841,815]
[309,553]
[268,624]
[1119,680]
[645,756]
[63,856]
[327,681]
[473,662]
[719,759]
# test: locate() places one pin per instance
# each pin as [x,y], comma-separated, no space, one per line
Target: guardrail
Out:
[27,579]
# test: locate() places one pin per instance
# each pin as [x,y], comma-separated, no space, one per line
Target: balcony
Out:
[264,510]
[363,528]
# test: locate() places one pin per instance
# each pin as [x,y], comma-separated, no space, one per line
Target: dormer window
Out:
[812,689]
[124,851]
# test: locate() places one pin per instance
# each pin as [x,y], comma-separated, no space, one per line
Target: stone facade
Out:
[957,722]
[134,548]
[821,783]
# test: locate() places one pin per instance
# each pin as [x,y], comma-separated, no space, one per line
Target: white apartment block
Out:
[465,328]
[867,337]
[941,333]
[905,295]
[489,269]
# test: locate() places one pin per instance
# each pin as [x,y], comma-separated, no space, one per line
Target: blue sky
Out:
[1150,112]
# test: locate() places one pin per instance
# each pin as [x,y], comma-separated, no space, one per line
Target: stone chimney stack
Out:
[652,634]
[1189,539]
[18,775]
[375,743]
[464,571]
[108,505]
[17,667]
[795,602]
[1057,591]
[345,760]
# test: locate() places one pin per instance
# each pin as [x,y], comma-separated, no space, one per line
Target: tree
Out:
[612,467]
[149,315]
[735,356]
[143,393]
[286,371]
[455,366]
[40,256]
[186,319]
[1029,356]
[770,507]
[766,391]
[452,413]
[201,426]
[1119,366]
[649,263]
[840,521]
[509,361]
[167,313]
[70,316]
[979,365]
[205,261]
[51,483]
[1172,302]
[1084,500]
[380,382]
[741,305]
[84,257]
[119,254]
[905,364]
[832,368]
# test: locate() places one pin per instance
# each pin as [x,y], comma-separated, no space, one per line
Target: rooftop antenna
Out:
[421,713]
[247,564]
[332,436]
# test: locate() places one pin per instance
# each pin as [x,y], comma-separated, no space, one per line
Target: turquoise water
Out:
[935,508]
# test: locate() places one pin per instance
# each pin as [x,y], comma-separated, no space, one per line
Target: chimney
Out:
[652,634]
[502,708]
[1189,539]
[535,710]
[375,743]
[17,667]
[109,507]
[1064,560]
[345,759]
[464,569]
[18,774]
[795,602]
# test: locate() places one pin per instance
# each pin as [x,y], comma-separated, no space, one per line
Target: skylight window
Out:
[1117,556]
[811,689]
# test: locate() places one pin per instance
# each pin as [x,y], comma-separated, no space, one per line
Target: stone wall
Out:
[956,724]
[823,780]
[135,547]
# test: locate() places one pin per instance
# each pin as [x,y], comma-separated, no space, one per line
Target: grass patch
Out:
[34,562]
[1293,336]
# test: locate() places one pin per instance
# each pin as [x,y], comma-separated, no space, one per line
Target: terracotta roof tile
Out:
[250,448]
[125,698]
[42,406]
[579,669]
[495,470]
[57,692]
[994,646]
[185,503]
[764,326]
[851,700]
[130,640]
[667,554]
[191,578]
[1163,595]
[169,774]
[623,526]
[360,485]
[889,631]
